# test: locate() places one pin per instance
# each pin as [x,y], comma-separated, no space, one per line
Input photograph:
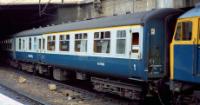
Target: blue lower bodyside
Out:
[186,63]
[102,65]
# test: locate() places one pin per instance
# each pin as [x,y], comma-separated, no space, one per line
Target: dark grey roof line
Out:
[129,19]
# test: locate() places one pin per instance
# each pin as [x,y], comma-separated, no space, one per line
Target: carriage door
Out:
[135,52]
[41,47]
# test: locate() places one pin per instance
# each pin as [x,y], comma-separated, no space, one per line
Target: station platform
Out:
[12,97]
[5,100]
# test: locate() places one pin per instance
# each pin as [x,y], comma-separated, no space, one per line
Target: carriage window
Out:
[23,45]
[40,44]
[102,42]
[184,31]
[6,44]
[64,42]
[51,43]
[9,43]
[43,44]
[30,45]
[81,42]
[121,42]
[35,43]
[20,44]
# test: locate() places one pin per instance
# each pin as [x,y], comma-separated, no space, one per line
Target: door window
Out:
[135,42]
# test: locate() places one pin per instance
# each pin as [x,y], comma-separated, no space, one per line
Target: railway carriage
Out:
[118,53]
[6,52]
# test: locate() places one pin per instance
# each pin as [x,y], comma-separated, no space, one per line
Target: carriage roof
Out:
[112,21]
[192,13]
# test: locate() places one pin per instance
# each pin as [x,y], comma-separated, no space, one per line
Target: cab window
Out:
[183,31]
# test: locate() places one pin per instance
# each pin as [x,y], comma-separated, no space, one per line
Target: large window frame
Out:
[20,44]
[51,43]
[30,43]
[121,42]
[81,40]
[35,43]
[23,44]
[102,42]
[43,43]
[64,42]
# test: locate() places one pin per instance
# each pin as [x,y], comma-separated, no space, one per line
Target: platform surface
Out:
[5,100]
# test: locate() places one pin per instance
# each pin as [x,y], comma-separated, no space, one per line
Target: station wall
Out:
[118,7]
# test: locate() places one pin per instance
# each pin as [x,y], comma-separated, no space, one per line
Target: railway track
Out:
[19,97]
[86,93]
[58,84]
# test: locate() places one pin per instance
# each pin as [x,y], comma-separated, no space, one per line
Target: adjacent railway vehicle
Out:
[128,55]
